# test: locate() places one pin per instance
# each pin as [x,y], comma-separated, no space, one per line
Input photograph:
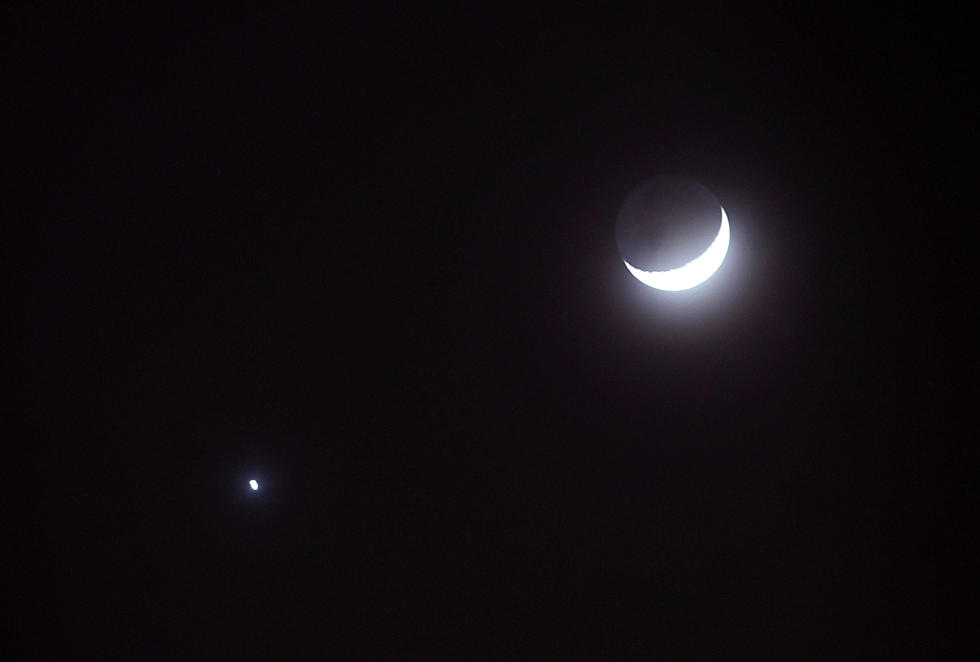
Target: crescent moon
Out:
[694,272]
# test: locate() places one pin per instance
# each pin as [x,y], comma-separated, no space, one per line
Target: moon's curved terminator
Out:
[672,233]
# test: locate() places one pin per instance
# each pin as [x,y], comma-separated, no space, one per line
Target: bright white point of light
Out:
[694,272]
[254,484]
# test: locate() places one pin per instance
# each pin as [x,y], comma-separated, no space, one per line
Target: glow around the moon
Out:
[694,272]
[254,484]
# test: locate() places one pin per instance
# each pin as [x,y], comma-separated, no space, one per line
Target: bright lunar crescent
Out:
[672,233]
[694,272]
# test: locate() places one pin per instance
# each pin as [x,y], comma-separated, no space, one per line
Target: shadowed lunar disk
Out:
[672,233]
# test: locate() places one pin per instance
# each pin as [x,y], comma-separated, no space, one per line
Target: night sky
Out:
[368,259]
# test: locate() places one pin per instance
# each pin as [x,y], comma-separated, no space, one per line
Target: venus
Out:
[672,233]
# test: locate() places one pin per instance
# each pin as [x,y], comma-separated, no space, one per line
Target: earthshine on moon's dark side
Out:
[666,222]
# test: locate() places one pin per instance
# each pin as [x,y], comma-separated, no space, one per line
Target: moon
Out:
[694,272]
[254,484]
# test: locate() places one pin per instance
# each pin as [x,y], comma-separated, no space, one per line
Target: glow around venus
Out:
[694,272]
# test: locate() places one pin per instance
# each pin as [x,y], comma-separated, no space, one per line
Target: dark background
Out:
[367,257]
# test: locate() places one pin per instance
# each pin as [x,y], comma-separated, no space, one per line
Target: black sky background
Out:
[368,257]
